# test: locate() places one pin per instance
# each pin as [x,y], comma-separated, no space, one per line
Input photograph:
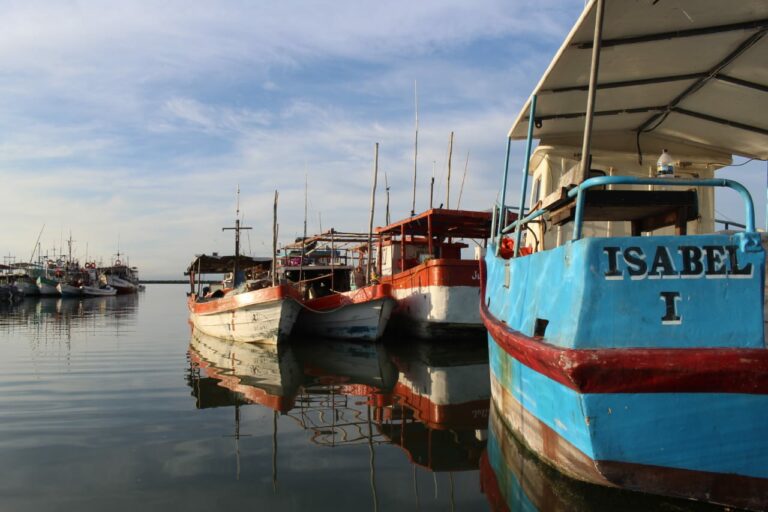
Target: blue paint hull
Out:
[686,433]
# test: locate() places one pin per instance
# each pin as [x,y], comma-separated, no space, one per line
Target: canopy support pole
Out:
[502,208]
[526,168]
[595,66]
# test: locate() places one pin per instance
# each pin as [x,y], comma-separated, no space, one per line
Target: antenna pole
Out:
[373,207]
[415,152]
[448,191]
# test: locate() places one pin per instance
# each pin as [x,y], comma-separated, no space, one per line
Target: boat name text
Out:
[708,261]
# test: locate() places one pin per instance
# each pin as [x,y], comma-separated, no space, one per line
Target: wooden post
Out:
[274,242]
[429,235]
[448,191]
[373,207]
[464,177]
[432,185]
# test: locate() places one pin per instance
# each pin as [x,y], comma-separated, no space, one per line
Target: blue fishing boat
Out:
[626,333]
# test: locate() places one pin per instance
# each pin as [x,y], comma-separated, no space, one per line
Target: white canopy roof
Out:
[683,70]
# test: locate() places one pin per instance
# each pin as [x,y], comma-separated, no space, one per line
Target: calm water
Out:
[113,404]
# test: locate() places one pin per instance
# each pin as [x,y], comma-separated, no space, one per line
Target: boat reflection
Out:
[513,478]
[439,413]
[55,317]
[432,401]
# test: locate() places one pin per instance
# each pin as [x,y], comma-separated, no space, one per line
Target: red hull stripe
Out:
[467,415]
[438,272]
[359,296]
[234,302]
[635,370]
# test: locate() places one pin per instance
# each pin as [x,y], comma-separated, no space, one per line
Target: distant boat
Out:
[98,291]
[48,286]
[437,291]
[68,290]
[27,286]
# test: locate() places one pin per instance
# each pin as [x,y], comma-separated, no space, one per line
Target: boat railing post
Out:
[526,168]
[502,217]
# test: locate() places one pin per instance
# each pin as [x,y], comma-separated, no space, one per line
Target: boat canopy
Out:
[692,71]
[205,264]
[445,223]
[330,236]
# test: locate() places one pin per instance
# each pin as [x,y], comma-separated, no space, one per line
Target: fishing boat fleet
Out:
[67,277]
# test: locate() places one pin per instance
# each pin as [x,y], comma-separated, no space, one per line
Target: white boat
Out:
[120,284]
[263,315]
[98,291]
[67,290]
[360,314]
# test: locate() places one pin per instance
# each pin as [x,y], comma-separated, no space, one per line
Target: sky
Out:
[132,123]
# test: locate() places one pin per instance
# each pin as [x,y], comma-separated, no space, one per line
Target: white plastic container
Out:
[665,167]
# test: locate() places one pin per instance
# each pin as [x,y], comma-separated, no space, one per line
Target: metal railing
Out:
[578,193]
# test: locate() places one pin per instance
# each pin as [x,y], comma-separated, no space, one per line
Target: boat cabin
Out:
[253,270]
[434,234]
[326,263]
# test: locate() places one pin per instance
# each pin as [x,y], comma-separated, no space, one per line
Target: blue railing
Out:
[578,193]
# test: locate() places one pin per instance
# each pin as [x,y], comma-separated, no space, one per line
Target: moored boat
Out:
[253,311]
[103,290]
[68,290]
[338,303]
[626,338]
[437,290]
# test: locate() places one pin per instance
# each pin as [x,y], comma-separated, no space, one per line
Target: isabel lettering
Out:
[687,262]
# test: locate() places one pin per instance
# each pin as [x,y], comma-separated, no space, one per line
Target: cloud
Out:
[138,120]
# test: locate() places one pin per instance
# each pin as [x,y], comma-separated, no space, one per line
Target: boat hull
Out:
[677,418]
[67,290]
[47,287]
[28,288]
[121,285]
[356,315]
[93,291]
[263,316]
[438,299]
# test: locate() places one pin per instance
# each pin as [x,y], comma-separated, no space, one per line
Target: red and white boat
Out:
[437,290]
[337,302]
[360,314]
[252,312]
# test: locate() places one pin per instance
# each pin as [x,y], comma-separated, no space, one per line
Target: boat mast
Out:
[386,187]
[448,191]
[237,230]
[274,242]
[463,178]
[373,206]
[415,153]
[304,237]
[37,245]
